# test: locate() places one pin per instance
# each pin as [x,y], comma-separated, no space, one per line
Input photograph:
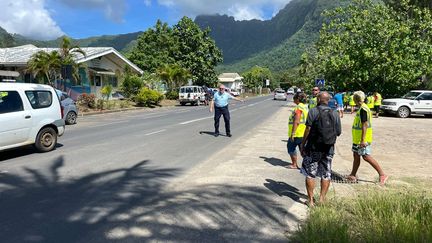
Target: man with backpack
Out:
[323,126]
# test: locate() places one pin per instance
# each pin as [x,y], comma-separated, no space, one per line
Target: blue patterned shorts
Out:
[318,164]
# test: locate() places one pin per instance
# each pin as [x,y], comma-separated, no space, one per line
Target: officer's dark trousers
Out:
[219,111]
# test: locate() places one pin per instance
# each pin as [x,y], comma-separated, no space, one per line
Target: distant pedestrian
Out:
[313,102]
[296,127]
[323,126]
[220,103]
[362,139]
[340,106]
[370,101]
[378,102]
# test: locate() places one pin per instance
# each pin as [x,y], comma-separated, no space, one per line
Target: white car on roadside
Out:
[30,114]
[414,102]
[280,94]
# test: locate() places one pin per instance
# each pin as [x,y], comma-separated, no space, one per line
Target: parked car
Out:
[414,102]
[234,92]
[117,95]
[30,114]
[194,95]
[69,107]
[290,91]
[280,94]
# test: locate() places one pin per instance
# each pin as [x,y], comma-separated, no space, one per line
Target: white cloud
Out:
[240,9]
[113,9]
[29,18]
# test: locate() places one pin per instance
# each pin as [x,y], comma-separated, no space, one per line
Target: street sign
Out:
[267,82]
[320,82]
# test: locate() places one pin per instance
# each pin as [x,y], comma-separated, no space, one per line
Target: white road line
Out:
[191,121]
[152,133]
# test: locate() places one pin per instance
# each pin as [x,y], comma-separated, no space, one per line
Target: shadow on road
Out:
[275,161]
[131,205]
[21,152]
[284,189]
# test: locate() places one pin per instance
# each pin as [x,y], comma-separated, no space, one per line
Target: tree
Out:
[173,75]
[256,77]
[155,48]
[197,51]
[368,46]
[45,65]
[185,45]
[67,53]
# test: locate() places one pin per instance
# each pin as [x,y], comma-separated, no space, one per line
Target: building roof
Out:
[230,77]
[20,55]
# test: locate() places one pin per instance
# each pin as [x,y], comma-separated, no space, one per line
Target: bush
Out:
[100,104]
[87,100]
[148,97]
[106,91]
[131,85]
[172,95]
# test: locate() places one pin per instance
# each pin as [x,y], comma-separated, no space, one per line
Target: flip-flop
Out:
[383,180]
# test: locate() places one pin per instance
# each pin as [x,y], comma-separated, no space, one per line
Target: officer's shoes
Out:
[229,135]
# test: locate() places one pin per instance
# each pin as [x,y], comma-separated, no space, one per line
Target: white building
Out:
[231,80]
[101,66]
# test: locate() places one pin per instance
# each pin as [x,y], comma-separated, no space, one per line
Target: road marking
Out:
[152,133]
[191,121]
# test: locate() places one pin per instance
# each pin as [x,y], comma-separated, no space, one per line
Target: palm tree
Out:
[68,52]
[174,75]
[46,65]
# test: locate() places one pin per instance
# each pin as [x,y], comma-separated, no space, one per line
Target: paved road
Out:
[108,163]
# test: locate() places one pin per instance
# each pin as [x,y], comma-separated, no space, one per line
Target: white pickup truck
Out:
[414,102]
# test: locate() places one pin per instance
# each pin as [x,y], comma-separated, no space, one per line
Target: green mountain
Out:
[6,39]
[277,43]
[122,42]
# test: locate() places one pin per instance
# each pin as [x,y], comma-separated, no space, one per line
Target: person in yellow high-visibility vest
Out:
[362,139]
[378,102]
[371,102]
[313,100]
[352,103]
[297,127]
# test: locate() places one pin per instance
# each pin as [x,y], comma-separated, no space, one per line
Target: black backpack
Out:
[325,127]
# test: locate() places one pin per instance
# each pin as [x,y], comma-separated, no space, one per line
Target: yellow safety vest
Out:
[351,101]
[378,99]
[371,102]
[313,102]
[302,126]
[357,126]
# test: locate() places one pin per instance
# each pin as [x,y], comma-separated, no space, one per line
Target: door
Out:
[423,103]
[15,121]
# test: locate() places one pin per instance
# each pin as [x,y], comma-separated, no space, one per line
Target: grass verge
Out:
[391,215]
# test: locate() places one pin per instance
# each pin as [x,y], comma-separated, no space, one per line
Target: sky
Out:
[49,19]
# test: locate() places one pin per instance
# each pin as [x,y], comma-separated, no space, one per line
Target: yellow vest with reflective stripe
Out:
[302,126]
[313,102]
[378,100]
[357,126]
[351,100]
[371,102]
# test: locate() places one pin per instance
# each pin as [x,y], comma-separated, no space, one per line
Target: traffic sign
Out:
[320,82]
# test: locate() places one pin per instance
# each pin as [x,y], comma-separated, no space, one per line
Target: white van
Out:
[29,114]
[195,95]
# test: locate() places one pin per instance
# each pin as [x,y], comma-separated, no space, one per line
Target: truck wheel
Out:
[403,112]
[46,140]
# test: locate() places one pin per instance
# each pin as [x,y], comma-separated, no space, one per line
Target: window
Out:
[10,101]
[39,99]
[425,96]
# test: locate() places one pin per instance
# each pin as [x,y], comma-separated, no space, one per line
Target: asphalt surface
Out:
[107,180]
